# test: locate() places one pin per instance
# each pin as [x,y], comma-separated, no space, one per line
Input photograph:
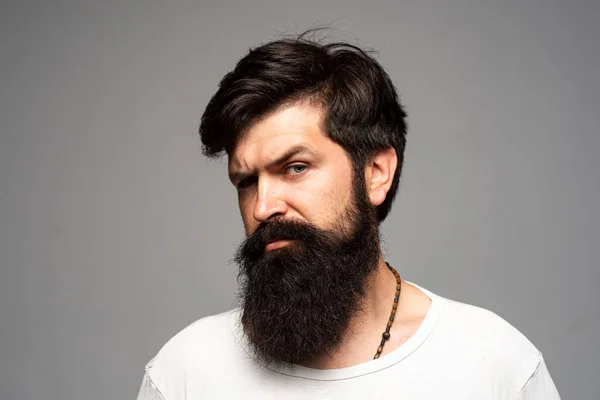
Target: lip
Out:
[276,244]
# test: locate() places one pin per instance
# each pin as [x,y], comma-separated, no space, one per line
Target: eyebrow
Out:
[294,151]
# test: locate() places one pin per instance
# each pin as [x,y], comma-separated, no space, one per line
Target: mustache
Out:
[253,247]
[277,229]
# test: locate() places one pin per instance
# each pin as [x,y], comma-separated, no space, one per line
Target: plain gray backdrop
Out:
[115,233]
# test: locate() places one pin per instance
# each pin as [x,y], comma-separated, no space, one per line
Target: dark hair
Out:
[362,110]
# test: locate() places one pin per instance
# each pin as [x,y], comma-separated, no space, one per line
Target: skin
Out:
[284,166]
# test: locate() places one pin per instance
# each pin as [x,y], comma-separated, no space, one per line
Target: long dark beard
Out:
[298,300]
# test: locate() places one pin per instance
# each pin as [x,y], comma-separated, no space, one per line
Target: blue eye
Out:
[297,169]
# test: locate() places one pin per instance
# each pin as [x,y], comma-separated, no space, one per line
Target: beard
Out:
[297,301]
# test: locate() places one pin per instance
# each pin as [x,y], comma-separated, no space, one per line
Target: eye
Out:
[296,169]
[246,182]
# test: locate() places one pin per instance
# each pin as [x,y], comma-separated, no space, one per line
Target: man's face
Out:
[312,238]
[284,166]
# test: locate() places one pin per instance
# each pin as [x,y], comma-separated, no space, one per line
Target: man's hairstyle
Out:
[362,112]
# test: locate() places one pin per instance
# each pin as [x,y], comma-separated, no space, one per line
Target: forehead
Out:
[299,124]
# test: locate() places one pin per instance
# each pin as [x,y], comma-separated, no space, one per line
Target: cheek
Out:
[324,201]
[247,211]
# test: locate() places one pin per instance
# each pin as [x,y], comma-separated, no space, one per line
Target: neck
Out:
[367,325]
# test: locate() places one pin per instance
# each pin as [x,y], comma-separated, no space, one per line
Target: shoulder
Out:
[471,325]
[485,329]
[197,350]
[487,343]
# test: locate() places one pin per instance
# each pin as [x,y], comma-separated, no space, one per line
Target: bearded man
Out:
[315,135]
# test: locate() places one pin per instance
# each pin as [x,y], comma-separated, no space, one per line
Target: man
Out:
[315,135]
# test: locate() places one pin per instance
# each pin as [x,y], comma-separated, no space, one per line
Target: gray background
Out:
[115,233]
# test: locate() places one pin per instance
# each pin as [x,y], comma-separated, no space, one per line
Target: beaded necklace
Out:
[385,336]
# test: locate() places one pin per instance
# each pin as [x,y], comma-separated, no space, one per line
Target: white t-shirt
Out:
[458,352]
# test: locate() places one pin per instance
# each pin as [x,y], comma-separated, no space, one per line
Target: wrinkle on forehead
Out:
[300,121]
[244,147]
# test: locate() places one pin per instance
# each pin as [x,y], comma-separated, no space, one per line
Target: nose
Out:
[269,201]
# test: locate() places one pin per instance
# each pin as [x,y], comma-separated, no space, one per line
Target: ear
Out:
[379,174]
